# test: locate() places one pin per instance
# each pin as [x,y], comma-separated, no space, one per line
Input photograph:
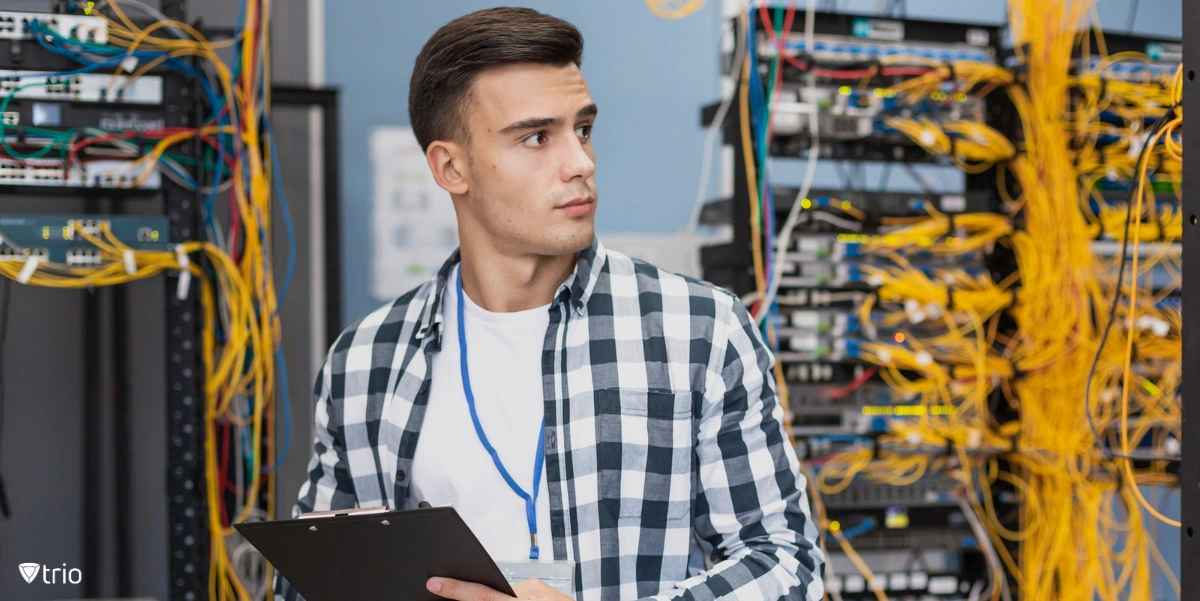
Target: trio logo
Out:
[29,571]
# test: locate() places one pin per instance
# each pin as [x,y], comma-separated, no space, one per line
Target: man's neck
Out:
[504,283]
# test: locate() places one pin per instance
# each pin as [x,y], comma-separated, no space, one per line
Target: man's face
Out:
[531,165]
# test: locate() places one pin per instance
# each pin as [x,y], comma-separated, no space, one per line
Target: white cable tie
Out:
[185,276]
[974,439]
[130,263]
[933,310]
[27,272]
[130,63]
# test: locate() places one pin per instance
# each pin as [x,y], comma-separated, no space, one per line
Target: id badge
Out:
[560,575]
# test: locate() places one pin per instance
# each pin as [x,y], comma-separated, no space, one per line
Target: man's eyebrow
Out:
[535,123]
[543,122]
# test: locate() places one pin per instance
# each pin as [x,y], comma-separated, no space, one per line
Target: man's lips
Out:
[577,207]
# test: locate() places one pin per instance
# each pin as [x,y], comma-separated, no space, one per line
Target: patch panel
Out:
[856,415]
[836,323]
[811,348]
[852,113]
[930,491]
[817,372]
[84,257]
[850,247]
[876,205]
[8,253]
[57,240]
[1139,71]
[838,49]
[95,174]
[904,585]
[954,539]
[847,39]
[66,115]
[81,87]
[16,26]
[822,297]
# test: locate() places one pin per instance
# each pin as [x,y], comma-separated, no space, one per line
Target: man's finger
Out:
[530,588]
[463,591]
[536,590]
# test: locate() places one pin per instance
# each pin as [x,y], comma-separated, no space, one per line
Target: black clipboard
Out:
[374,554]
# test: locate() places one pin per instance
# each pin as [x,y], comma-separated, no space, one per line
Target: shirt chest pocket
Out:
[645,442]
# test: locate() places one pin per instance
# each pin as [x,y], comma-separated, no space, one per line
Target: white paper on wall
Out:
[413,219]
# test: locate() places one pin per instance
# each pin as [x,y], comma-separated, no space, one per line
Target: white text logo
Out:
[62,575]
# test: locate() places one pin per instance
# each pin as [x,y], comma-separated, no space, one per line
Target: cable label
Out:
[31,265]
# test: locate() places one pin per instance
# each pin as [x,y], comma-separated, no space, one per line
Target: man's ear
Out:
[447,161]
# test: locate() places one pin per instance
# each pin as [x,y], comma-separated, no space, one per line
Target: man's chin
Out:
[569,243]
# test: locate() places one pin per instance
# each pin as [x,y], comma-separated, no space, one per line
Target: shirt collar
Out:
[575,291]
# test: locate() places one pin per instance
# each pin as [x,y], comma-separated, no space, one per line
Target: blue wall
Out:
[649,76]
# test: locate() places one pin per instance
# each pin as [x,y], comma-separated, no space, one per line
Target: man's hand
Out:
[529,590]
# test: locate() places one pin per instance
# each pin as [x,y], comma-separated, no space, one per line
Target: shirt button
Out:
[550,439]
[424,388]
[400,475]
[578,304]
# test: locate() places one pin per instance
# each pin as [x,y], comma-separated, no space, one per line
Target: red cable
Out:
[855,385]
[88,142]
[906,70]
[151,133]
[781,47]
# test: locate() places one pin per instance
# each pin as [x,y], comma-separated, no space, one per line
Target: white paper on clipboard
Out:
[413,223]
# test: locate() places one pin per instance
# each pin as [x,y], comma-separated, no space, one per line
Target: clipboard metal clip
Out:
[343,512]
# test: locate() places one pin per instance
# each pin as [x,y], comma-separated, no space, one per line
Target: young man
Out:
[639,403]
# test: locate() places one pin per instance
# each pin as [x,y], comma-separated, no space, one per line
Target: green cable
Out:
[762,181]
[58,138]
[90,45]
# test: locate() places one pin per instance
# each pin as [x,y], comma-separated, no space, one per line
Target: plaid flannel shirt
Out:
[667,466]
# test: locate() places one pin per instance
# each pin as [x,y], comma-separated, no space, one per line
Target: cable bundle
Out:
[974,147]
[1082,347]
[245,375]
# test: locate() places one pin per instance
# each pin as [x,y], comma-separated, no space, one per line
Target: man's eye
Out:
[535,140]
[584,131]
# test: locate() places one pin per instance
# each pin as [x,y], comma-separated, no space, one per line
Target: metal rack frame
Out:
[187,538]
[1189,473]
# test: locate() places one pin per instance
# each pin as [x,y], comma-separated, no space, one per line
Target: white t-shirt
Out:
[450,466]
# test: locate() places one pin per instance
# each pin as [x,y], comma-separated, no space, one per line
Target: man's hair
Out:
[445,71]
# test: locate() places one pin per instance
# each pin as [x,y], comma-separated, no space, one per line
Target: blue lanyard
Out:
[530,501]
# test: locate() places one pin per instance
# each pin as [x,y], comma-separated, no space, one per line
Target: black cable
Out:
[1112,310]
